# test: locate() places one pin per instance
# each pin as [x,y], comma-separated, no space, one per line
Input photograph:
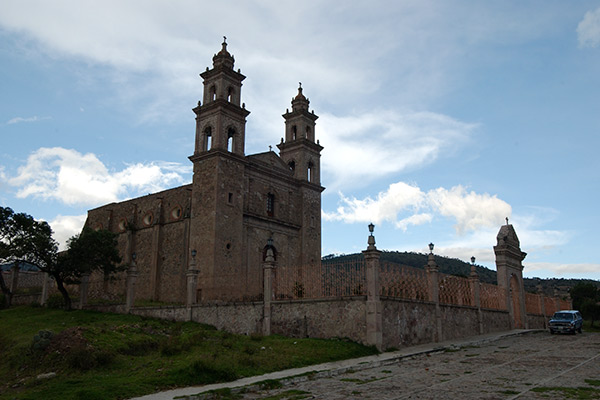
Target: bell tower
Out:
[299,150]
[218,185]
[303,156]
[220,120]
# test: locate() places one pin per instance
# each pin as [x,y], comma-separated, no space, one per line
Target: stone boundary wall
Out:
[404,322]
[321,318]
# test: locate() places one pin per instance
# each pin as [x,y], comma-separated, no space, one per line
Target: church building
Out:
[217,229]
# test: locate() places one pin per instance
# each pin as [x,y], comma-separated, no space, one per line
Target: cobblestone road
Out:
[520,367]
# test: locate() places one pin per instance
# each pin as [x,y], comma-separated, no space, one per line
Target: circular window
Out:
[148,218]
[228,246]
[176,213]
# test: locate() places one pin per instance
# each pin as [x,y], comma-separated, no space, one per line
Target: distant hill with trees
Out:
[454,266]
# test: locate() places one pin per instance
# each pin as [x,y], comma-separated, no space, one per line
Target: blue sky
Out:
[439,119]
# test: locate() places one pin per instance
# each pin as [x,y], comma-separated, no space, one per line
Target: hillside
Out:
[54,354]
[454,266]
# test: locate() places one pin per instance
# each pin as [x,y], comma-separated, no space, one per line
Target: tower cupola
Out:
[223,58]
[300,102]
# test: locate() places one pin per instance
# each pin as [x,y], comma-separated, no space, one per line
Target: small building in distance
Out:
[218,227]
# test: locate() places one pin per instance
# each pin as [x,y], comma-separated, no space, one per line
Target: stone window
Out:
[310,171]
[148,218]
[294,132]
[176,213]
[213,93]
[270,204]
[230,198]
[122,225]
[292,165]
[230,94]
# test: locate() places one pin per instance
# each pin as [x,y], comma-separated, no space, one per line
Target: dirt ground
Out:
[532,366]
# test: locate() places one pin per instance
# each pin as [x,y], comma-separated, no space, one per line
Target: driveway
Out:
[531,366]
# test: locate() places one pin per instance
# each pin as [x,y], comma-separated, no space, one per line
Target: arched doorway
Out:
[515,297]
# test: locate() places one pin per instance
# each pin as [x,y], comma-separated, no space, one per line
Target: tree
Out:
[590,309]
[90,251]
[586,298]
[22,238]
[582,291]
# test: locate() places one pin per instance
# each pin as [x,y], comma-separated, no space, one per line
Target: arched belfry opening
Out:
[207,141]
[231,139]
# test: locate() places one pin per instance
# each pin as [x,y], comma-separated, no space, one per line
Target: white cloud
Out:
[588,30]
[82,179]
[376,144]
[470,210]
[17,120]
[66,226]
[558,269]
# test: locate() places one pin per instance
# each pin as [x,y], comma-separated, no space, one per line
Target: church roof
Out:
[270,158]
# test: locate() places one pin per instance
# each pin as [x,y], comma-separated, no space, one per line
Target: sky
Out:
[439,119]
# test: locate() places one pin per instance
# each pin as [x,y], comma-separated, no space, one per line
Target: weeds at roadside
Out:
[580,393]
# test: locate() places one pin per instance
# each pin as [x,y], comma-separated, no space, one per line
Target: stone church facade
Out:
[215,232]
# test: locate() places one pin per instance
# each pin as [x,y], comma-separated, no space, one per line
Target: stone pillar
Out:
[543,308]
[45,288]
[374,307]
[132,274]
[83,290]
[557,305]
[475,292]
[268,269]
[192,283]
[14,278]
[509,269]
[434,292]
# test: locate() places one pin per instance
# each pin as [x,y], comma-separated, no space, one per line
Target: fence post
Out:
[434,292]
[45,288]
[132,274]
[268,268]
[374,307]
[476,293]
[14,278]
[83,290]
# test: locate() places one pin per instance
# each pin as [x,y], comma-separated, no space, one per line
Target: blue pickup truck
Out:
[566,321]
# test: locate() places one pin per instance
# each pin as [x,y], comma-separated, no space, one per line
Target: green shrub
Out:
[42,340]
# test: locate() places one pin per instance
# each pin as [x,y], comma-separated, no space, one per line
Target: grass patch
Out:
[270,384]
[593,382]
[451,350]
[115,356]
[579,393]
[588,328]
[508,392]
